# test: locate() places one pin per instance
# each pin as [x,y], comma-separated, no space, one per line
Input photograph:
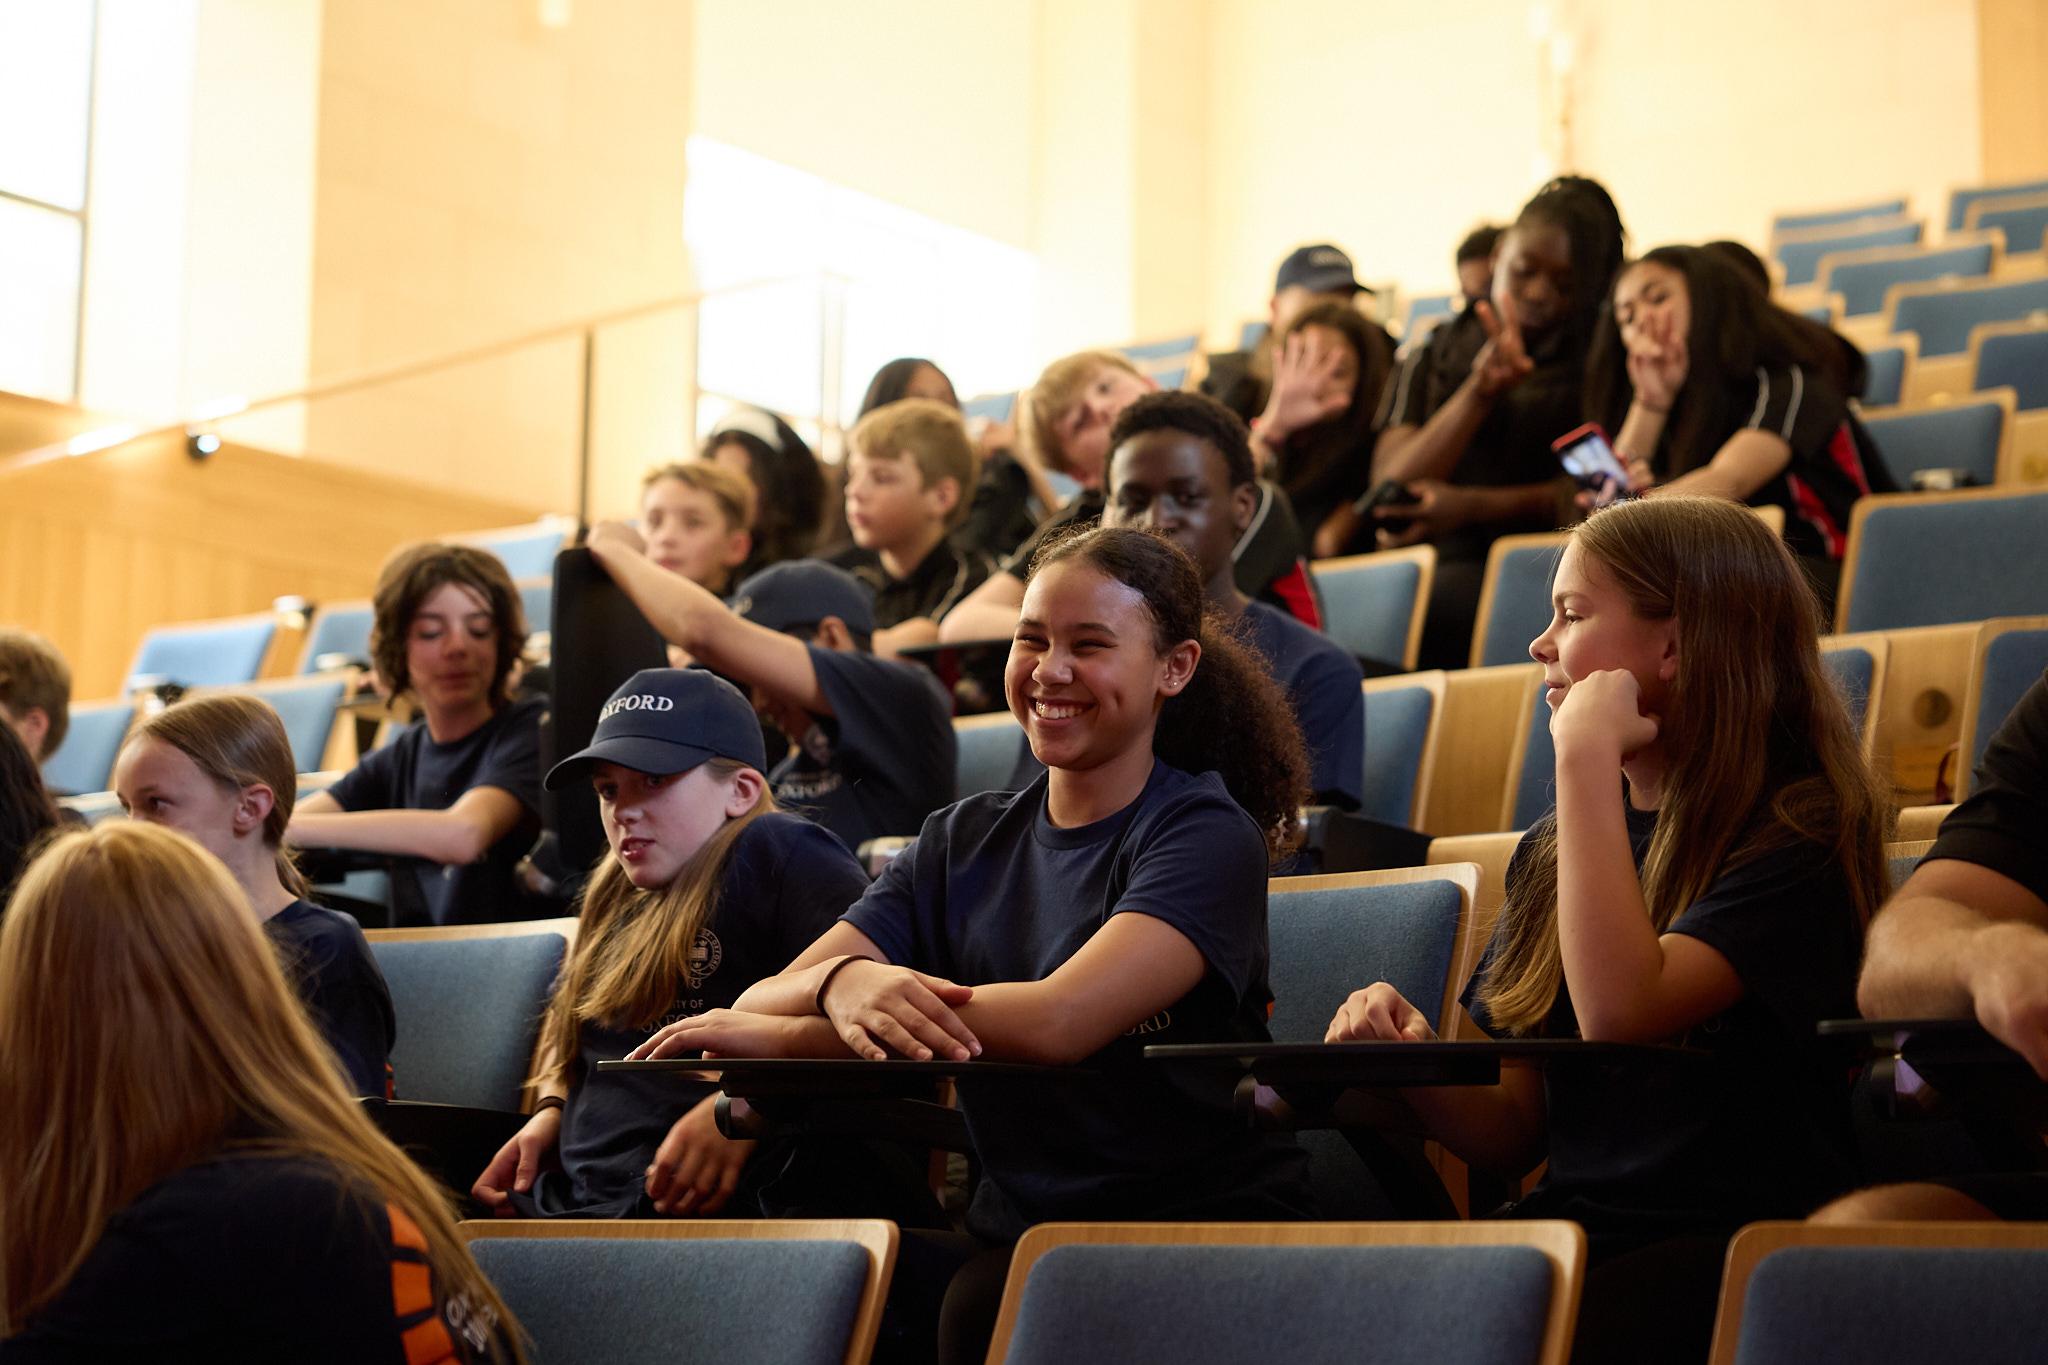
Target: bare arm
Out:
[460,834]
[1432,450]
[911,634]
[1959,939]
[987,613]
[689,616]
[1745,462]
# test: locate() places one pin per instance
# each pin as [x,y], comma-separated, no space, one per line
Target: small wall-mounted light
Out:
[200,444]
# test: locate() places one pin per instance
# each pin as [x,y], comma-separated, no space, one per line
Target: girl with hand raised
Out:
[1715,851]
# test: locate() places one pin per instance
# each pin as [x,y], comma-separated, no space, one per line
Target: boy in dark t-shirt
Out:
[874,749]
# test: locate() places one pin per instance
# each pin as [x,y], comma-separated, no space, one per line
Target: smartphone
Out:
[1589,458]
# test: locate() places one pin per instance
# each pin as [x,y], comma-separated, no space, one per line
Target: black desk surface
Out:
[1388,1064]
[835,1075]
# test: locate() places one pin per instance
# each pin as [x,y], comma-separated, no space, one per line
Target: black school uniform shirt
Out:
[788,882]
[930,590]
[248,1257]
[1649,1150]
[2003,824]
[883,760]
[326,956]
[413,772]
[1512,445]
[992,891]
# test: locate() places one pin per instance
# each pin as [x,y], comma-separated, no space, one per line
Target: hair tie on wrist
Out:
[818,1000]
[546,1102]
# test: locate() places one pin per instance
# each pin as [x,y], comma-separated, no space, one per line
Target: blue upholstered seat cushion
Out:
[468,1013]
[1896,1305]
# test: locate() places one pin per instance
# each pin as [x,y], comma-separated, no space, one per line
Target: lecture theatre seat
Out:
[339,634]
[1400,729]
[204,653]
[996,407]
[1943,313]
[1961,201]
[654,1291]
[307,707]
[1801,255]
[2022,219]
[2010,656]
[1900,1293]
[1803,220]
[1423,307]
[1168,348]
[526,551]
[84,762]
[1862,279]
[986,750]
[1930,559]
[1502,1292]
[1973,435]
[1373,604]
[2011,355]
[1885,367]
[1514,597]
[537,602]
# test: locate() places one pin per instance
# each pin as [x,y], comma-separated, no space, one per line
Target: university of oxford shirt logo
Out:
[637,701]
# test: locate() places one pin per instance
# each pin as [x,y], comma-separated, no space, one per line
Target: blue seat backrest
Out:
[1521,604]
[1943,320]
[997,407]
[1250,335]
[1201,1304]
[344,631]
[1956,436]
[1959,202]
[220,654]
[650,1301]
[2023,227]
[85,760]
[1162,350]
[1367,607]
[525,554]
[1801,259]
[468,1013]
[1862,284]
[1793,222]
[1937,563]
[1853,669]
[1396,729]
[306,706]
[2016,361]
[985,757]
[2013,662]
[1536,784]
[1901,868]
[1884,375]
[537,601]
[1900,1305]
[1171,379]
[1427,306]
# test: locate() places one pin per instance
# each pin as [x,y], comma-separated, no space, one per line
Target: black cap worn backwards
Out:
[1320,269]
[803,592]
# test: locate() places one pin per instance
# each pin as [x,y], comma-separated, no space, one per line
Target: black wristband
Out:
[818,1000]
[549,1102]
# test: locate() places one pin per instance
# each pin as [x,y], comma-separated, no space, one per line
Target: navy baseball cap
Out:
[669,720]
[803,592]
[1320,269]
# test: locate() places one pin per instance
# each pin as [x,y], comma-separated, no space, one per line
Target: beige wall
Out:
[1400,123]
[2014,54]
[481,175]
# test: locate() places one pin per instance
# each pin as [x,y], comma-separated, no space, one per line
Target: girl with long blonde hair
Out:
[707,888]
[1716,849]
[186,1177]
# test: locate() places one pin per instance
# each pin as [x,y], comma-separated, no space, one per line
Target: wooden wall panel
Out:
[96,550]
[2012,56]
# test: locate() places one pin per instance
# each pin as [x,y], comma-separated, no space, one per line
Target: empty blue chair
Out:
[1250,335]
[85,760]
[526,551]
[205,654]
[1822,313]
[738,1293]
[1397,728]
[1953,436]
[341,632]
[1884,378]
[1795,222]
[1514,604]
[1499,1292]
[1931,559]
[2024,225]
[1372,603]
[1801,258]
[306,706]
[1173,377]
[997,407]
[2016,360]
[1166,349]
[1900,866]
[1427,306]
[1967,1293]
[1943,318]
[1862,284]
[986,752]
[1535,781]
[1960,201]
[2010,659]
[468,1011]
[1854,670]
[537,601]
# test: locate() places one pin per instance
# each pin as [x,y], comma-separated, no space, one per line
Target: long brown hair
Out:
[144,1024]
[633,946]
[1759,749]
[238,741]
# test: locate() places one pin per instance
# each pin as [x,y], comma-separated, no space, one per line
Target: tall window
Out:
[46,112]
[861,281]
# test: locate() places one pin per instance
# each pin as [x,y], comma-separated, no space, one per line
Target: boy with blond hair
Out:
[698,517]
[910,471]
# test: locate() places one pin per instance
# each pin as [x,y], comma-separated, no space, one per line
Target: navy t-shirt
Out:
[993,892]
[788,882]
[328,959]
[247,1257]
[2003,824]
[1762,1132]
[412,772]
[883,760]
[1324,685]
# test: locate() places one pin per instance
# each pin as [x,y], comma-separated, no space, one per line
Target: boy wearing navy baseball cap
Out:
[874,749]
